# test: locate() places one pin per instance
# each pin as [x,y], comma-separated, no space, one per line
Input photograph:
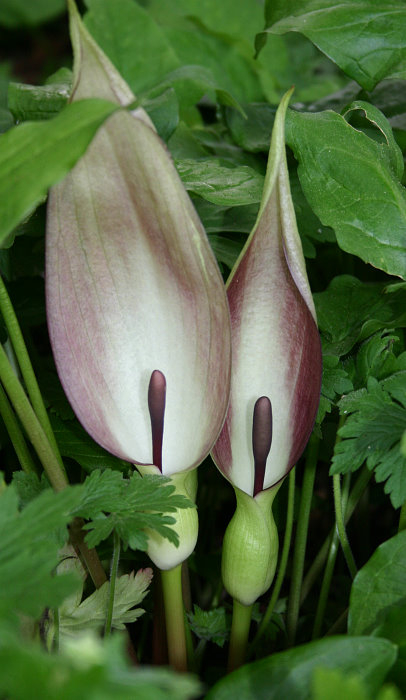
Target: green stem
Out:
[174,617]
[112,588]
[318,562]
[55,643]
[325,586]
[301,538]
[240,628]
[329,568]
[282,564]
[402,518]
[31,424]
[16,434]
[19,347]
[341,526]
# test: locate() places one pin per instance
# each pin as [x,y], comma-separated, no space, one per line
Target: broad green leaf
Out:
[33,102]
[365,38]
[375,116]
[350,186]
[85,668]
[223,185]
[289,674]
[75,443]
[33,156]
[14,13]
[132,40]
[349,311]
[378,586]
[329,684]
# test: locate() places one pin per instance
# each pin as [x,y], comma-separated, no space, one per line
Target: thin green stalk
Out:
[402,518]
[329,569]
[174,617]
[325,586]
[240,628]
[31,423]
[16,434]
[345,545]
[282,564]
[112,588]
[301,538]
[55,643]
[19,347]
[318,562]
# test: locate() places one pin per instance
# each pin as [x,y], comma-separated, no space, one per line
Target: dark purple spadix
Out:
[261,439]
[156,406]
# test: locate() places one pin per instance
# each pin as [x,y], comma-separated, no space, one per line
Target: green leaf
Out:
[210,624]
[378,586]
[373,433]
[214,181]
[350,186]
[129,506]
[289,674]
[90,614]
[14,13]
[29,551]
[366,39]
[132,40]
[329,684]
[375,116]
[74,442]
[33,102]
[85,668]
[350,311]
[33,156]
[335,383]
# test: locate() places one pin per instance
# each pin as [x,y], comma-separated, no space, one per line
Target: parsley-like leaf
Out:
[373,432]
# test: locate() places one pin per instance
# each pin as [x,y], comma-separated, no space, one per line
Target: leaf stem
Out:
[318,562]
[301,538]
[342,534]
[240,628]
[325,586]
[402,518]
[31,423]
[23,358]
[174,617]
[113,578]
[282,564]
[16,435]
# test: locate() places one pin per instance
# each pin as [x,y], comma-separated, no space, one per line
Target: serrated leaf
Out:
[130,590]
[210,624]
[373,433]
[335,383]
[130,507]
[29,551]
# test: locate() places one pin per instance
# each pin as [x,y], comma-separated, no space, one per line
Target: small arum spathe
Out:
[137,311]
[276,376]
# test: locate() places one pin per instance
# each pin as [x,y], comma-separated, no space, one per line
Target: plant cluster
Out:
[117,350]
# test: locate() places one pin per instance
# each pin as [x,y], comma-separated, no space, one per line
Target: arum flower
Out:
[276,376]
[136,306]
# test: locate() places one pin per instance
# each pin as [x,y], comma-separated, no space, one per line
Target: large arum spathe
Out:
[276,376]
[137,310]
